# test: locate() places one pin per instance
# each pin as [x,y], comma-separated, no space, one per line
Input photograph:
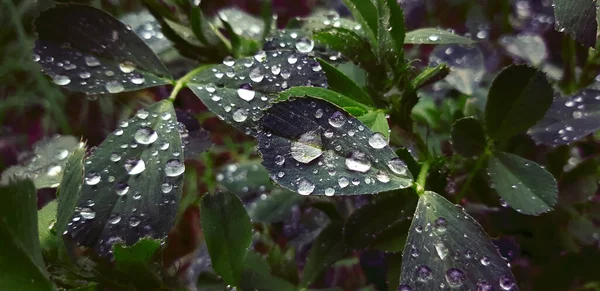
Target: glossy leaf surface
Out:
[578,19]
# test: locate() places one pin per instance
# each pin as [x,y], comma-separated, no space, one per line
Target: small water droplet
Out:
[229,61]
[166,187]
[329,191]
[305,45]
[92,178]
[114,87]
[240,115]
[377,141]
[256,75]
[121,188]
[174,168]
[337,119]
[358,161]
[305,187]
[87,213]
[343,182]
[145,135]
[246,92]
[423,273]
[455,277]
[127,67]
[61,80]
[135,166]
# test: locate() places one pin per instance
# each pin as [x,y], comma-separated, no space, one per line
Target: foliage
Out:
[306,120]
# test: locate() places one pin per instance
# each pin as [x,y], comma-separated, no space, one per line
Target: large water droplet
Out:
[166,187]
[455,277]
[423,273]
[337,119]
[305,45]
[382,177]
[92,61]
[307,148]
[484,286]
[92,178]
[246,92]
[229,61]
[441,249]
[174,168]
[134,221]
[240,115]
[329,191]
[61,80]
[121,188]
[343,182]
[135,166]
[87,213]
[358,161]
[398,166]
[114,218]
[145,135]
[506,283]
[256,75]
[377,141]
[305,187]
[114,87]
[127,67]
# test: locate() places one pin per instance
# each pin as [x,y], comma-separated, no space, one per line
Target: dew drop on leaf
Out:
[92,178]
[305,45]
[307,148]
[343,182]
[121,188]
[455,277]
[337,119]
[145,135]
[87,213]
[246,92]
[423,273]
[358,161]
[61,80]
[135,166]
[174,168]
[398,166]
[240,115]
[305,187]
[127,67]
[377,141]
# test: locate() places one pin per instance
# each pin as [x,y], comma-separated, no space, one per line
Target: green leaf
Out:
[579,185]
[86,50]
[447,246]
[569,120]
[435,36]
[518,98]
[468,138]
[257,276]
[394,264]
[327,249]
[313,147]
[366,14]
[46,224]
[228,233]
[340,83]
[377,122]
[350,44]
[202,28]
[70,189]
[147,27]
[329,18]
[245,178]
[241,46]
[239,90]
[21,261]
[523,184]
[396,25]
[136,262]
[383,219]
[275,207]
[242,23]
[45,166]
[132,183]
[430,75]
[353,107]
[578,19]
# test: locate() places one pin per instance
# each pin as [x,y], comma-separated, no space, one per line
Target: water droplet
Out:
[343,182]
[145,135]
[382,177]
[141,114]
[61,80]
[337,119]
[137,79]
[165,116]
[358,161]
[114,218]
[292,59]
[134,221]
[246,92]
[135,166]
[114,87]
[121,188]
[484,286]
[92,178]
[229,61]
[127,67]
[377,141]
[455,277]
[434,37]
[305,45]
[441,249]
[174,168]
[92,61]
[307,148]
[423,273]
[440,224]
[329,191]
[279,160]
[166,187]
[256,75]
[305,187]
[485,261]
[404,287]
[87,213]
[85,75]
[260,56]
[506,283]
[240,115]
[398,166]
[319,113]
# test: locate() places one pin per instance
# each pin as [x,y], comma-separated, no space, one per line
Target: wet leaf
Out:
[195,139]
[569,120]
[430,75]
[228,233]
[245,178]
[350,105]
[45,165]
[377,122]
[434,36]
[447,246]
[578,19]
[376,222]
[132,182]
[327,249]
[274,207]
[523,184]
[70,189]
[238,90]
[396,26]
[366,14]
[148,29]
[324,19]
[467,66]
[85,49]
[257,276]
[468,138]
[340,83]
[518,98]
[21,261]
[46,223]
[136,262]
[242,23]
[350,44]
[313,147]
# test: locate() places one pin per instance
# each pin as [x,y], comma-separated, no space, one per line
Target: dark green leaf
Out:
[377,122]
[132,182]
[313,147]
[347,103]
[70,189]
[240,45]
[45,166]
[518,98]
[580,184]
[149,30]
[228,233]
[87,50]
[323,19]
[242,23]
[340,83]
[136,262]
[46,223]
[468,138]
[202,28]
[257,276]
[350,44]
[245,178]
[394,264]
[434,36]
[239,90]
[396,25]
[578,19]
[569,120]
[275,207]
[523,184]
[447,246]
[327,249]
[584,230]
[366,14]
[374,223]
[430,75]
[21,260]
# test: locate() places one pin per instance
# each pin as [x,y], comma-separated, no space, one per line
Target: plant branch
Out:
[419,185]
[182,82]
[478,165]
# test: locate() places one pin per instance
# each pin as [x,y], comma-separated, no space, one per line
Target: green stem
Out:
[478,165]
[419,185]
[568,81]
[183,81]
